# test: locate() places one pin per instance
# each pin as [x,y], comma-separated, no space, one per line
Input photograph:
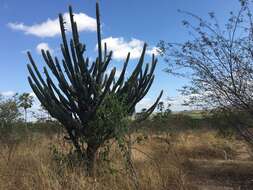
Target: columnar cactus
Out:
[79,87]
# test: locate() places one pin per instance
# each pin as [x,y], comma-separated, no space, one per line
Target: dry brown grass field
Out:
[182,160]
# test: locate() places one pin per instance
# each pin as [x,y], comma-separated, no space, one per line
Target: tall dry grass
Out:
[159,161]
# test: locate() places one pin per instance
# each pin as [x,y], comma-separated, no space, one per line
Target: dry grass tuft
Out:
[161,162]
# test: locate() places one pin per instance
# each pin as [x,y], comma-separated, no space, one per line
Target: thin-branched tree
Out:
[25,101]
[9,112]
[217,60]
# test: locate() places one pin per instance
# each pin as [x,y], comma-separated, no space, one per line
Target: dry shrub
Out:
[204,145]
[161,169]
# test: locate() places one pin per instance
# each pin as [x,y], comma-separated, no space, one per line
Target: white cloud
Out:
[35,109]
[121,47]
[32,94]
[43,46]
[144,103]
[7,93]
[51,27]
[154,50]
[176,103]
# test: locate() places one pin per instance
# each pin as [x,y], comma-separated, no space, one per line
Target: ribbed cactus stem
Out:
[79,87]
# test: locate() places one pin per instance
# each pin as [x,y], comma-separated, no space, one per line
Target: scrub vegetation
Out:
[88,135]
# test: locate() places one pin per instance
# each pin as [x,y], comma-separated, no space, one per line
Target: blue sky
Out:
[29,25]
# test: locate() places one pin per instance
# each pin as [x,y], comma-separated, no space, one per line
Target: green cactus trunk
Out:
[78,88]
[91,153]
